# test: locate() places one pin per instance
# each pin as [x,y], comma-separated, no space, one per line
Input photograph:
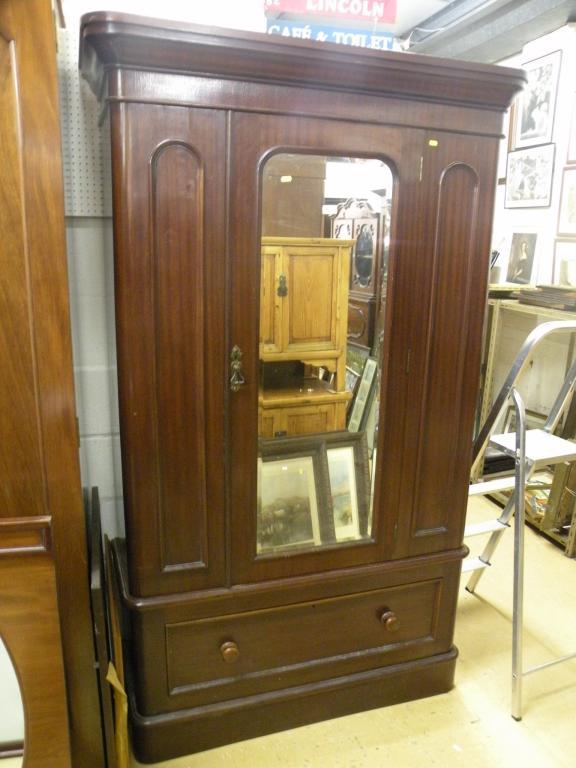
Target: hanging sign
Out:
[365,10]
[360,38]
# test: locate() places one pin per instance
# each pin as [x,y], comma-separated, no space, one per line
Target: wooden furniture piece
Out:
[304,300]
[357,219]
[44,603]
[303,408]
[224,643]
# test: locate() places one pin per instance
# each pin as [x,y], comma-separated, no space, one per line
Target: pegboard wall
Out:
[84,142]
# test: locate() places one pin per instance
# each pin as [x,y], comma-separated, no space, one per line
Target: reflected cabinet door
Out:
[309,489]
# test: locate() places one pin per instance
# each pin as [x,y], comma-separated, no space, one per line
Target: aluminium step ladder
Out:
[531,450]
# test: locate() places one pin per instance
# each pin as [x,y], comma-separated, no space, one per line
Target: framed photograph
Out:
[564,270]
[529,177]
[521,261]
[348,469]
[537,103]
[567,217]
[294,509]
[363,396]
[571,154]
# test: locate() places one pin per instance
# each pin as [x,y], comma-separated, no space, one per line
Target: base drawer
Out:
[290,643]
[196,650]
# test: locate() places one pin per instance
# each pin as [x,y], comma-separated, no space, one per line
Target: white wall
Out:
[544,221]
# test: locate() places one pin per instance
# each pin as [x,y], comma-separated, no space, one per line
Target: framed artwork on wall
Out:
[529,177]
[521,261]
[564,270]
[571,153]
[537,103]
[567,216]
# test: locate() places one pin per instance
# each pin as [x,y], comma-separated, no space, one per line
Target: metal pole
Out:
[518,599]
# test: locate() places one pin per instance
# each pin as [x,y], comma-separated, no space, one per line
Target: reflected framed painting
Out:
[349,475]
[294,509]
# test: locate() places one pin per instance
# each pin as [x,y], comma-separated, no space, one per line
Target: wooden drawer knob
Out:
[230,652]
[390,621]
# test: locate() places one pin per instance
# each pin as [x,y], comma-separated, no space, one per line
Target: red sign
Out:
[366,10]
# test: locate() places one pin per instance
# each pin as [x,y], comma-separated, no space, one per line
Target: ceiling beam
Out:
[490,32]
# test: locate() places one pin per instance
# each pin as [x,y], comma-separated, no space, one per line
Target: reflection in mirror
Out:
[324,248]
[11,711]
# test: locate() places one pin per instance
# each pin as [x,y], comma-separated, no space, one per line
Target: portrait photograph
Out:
[529,177]
[521,262]
[537,103]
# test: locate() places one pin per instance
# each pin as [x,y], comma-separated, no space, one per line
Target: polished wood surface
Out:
[30,629]
[236,102]
[39,444]
[304,299]
[137,42]
[169,234]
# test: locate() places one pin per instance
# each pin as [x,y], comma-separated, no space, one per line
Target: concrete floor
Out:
[470,726]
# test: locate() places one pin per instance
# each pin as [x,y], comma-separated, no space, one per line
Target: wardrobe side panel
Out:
[169,165]
[452,262]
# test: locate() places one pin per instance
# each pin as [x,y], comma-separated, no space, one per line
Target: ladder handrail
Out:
[518,366]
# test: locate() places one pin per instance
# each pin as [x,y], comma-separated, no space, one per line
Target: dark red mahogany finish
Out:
[224,645]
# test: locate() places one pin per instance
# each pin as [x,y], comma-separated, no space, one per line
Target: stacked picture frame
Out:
[313,490]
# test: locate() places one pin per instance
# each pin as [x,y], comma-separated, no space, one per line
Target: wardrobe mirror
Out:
[324,251]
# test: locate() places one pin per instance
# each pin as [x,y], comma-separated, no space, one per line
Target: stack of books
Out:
[554,296]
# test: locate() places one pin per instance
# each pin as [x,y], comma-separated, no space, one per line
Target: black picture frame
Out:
[529,175]
[536,104]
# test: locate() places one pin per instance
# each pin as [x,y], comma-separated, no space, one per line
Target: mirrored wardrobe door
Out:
[318,390]
[308,415]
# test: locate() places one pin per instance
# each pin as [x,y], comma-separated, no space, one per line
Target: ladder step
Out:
[491,486]
[488,526]
[473,564]
[542,448]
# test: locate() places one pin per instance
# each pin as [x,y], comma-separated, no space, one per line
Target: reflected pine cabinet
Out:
[271,580]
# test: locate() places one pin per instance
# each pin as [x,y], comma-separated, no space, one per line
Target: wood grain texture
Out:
[38,446]
[250,644]
[113,39]
[170,308]
[30,629]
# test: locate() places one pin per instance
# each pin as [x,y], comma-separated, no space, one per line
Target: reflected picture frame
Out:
[349,477]
[363,396]
[356,356]
[294,508]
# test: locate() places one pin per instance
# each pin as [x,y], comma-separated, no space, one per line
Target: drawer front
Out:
[251,652]
[303,419]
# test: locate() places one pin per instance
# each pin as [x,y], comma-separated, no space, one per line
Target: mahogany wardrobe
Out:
[275,577]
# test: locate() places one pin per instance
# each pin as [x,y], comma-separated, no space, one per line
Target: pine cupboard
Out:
[258,595]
